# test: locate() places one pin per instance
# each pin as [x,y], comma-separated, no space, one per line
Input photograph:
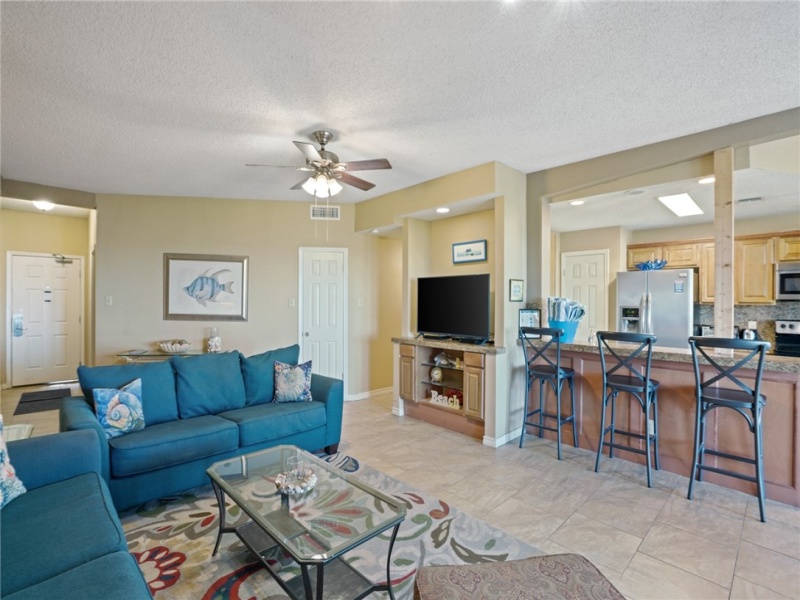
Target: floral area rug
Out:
[172,540]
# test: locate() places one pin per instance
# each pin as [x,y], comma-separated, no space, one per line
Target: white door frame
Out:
[9,309]
[301,308]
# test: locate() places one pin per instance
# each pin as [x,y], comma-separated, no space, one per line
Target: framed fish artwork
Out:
[205,287]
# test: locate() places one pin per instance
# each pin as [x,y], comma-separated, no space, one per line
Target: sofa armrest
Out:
[76,414]
[51,458]
[330,391]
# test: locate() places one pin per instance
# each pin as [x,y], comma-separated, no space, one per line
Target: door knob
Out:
[306,334]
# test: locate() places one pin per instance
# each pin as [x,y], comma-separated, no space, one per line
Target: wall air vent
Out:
[750,200]
[320,212]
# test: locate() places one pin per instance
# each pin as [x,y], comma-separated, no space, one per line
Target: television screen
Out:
[455,306]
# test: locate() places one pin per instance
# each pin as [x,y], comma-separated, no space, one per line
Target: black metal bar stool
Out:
[550,371]
[747,401]
[623,376]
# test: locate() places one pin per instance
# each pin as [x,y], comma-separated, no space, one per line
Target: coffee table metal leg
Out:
[306,581]
[221,502]
[389,561]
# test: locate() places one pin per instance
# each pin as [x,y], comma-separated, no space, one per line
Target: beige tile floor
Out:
[651,543]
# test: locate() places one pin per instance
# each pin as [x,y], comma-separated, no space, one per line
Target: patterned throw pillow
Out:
[119,411]
[10,485]
[292,382]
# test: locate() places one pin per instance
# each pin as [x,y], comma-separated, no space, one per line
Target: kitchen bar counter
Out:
[726,429]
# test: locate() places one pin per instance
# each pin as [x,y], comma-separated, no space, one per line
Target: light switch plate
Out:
[752,324]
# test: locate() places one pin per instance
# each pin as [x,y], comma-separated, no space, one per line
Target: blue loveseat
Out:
[199,410]
[62,538]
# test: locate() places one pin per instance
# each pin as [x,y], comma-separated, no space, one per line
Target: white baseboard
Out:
[497,442]
[368,394]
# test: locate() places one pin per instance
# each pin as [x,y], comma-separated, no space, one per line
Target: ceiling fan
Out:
[326,170]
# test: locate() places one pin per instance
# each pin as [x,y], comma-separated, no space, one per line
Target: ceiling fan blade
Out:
[280,167]
[355,181]
[367,165]
[308,150]
[299,185]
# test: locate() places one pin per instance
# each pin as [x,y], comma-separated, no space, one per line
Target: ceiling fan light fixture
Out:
[321,187]
[310,185]
[334,187]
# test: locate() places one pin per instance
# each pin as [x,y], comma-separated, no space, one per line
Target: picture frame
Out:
[530,317]
[468,252]
[205,287]
[516,289]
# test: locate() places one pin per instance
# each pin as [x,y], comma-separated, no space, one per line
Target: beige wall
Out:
[706,230]
[43,234]
[134,232]
[387,300]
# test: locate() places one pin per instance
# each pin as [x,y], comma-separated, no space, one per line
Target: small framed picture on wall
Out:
[516,290]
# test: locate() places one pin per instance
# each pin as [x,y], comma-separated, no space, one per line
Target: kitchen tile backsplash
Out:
[764,315]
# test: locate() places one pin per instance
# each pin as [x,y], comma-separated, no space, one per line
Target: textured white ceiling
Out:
[173,98]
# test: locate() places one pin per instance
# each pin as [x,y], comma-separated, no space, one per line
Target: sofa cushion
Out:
[208,384]
[272,421]
[55,528]
[158,386]
[168,444]
[10,484]
[119,410]
[292,382]
[114,575]
[258,372]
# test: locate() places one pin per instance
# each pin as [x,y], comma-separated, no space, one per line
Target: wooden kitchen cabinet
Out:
[643,254]
[788,248]
[408,380]
[754,273]
[680,256]
[705,295]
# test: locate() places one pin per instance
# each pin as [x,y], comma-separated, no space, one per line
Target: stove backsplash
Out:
[765,315]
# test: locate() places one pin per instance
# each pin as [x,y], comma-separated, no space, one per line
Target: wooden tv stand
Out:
[457,400]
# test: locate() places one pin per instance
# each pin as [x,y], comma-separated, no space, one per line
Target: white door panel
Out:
[47,299]
[323,309]
[585,279]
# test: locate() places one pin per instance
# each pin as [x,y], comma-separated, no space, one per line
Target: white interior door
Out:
[584,278]
[323,310]
[46,306]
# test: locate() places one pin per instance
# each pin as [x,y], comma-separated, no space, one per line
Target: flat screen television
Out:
[454,307]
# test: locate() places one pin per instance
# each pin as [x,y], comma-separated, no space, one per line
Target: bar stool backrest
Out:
[624,364]
[705,346]
[534,352]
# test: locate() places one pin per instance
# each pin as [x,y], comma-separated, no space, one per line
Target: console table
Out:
[137,356]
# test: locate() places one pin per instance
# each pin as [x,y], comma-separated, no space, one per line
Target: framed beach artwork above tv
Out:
[205,287]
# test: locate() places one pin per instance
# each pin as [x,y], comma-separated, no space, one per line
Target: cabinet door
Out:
[681,255]
[637,255]
[789,248]
[754,277]
[408,380]
[473,392]
[706,291]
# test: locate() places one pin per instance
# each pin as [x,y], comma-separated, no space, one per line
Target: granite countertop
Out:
[451,345]
[780,364]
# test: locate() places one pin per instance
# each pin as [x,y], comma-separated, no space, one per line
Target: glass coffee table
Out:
[315,528]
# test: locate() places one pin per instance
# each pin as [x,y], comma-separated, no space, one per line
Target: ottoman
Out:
[555,576]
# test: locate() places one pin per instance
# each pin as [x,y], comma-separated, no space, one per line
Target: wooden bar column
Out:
[723,242]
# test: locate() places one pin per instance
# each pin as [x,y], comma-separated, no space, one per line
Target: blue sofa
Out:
[62,538]
[199,410]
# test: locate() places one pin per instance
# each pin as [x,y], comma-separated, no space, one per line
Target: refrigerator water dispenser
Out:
[629,318]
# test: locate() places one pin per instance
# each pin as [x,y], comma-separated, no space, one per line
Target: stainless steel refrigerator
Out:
[659,302]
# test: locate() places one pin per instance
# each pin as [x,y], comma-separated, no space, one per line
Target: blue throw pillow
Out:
[208,384]
[10,484]
[119,410]
[292,382]
[258,372]
[158,386]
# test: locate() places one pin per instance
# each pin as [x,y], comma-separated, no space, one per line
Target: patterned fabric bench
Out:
[555,576]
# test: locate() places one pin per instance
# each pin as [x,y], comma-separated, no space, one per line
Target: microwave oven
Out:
[787,281]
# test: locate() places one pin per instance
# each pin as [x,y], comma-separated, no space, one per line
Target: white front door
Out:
[584,278]
[323,310]
[46,307]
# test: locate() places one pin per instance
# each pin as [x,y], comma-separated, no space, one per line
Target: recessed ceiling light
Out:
[681,204]
[577,202]
[442,210]
[374,231]
[634,192]
[706,180]
[44,205]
